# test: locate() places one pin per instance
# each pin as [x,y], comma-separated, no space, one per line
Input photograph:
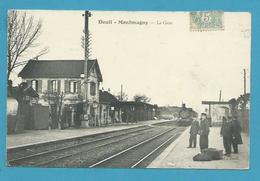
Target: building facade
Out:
[60,84]
[137,111]
[110,110]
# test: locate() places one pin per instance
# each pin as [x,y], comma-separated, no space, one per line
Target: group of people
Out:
[230,131]
[201,128]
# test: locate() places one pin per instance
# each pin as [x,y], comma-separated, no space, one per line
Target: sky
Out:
[167,62]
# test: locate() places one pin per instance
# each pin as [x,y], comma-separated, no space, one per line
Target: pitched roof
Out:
[134,103]
[57,69]
[16,92]
[106,97]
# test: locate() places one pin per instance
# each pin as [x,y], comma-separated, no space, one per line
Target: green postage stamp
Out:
[206,20]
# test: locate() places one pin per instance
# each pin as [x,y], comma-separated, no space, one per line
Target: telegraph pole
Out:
[86,51]
[220,96]
[121,93]
[246,127]
[121,99]
[244,82]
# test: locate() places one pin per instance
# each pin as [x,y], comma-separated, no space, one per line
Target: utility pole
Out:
[244,82]
[220,96]
[121,93]
[86,51]
[246,124]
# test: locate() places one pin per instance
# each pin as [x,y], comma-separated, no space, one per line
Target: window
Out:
[34,84]
[54,86]
[73,86]
[92,88]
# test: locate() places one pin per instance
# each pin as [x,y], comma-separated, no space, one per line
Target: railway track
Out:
[167,123]
[89,156]
[131,148]
[29,158]
[138,155]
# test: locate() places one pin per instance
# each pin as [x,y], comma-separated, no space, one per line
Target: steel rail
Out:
[52,142]
[13,161]
[157,148]
[130,148]
[84,151]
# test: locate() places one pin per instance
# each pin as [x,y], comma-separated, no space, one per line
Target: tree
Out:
[123,97]
[243,99]
[23,32]
[141,98]
[56,99]
[239,102]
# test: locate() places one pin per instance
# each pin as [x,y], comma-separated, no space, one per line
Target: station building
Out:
[60,85]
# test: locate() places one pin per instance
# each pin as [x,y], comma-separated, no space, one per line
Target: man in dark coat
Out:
[204,132]
[194,129]
[237,139]
[227,132]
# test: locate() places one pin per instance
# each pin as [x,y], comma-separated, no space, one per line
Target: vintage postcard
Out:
[125,89]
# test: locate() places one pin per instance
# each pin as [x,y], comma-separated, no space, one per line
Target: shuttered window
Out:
[54,86]
[34,84]
[39,86]
[67,86]
[78,86]
[73,86]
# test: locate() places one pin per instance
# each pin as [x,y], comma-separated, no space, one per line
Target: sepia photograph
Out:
[128,89]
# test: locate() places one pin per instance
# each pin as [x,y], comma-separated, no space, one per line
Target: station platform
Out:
[177,155]
[30,137]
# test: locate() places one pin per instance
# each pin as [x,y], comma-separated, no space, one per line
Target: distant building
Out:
[110,111]
[63,81]
[137,111]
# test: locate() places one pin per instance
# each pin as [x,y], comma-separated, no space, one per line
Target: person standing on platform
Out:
[194,130]
[237,139]
[204,132]
[227,132]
